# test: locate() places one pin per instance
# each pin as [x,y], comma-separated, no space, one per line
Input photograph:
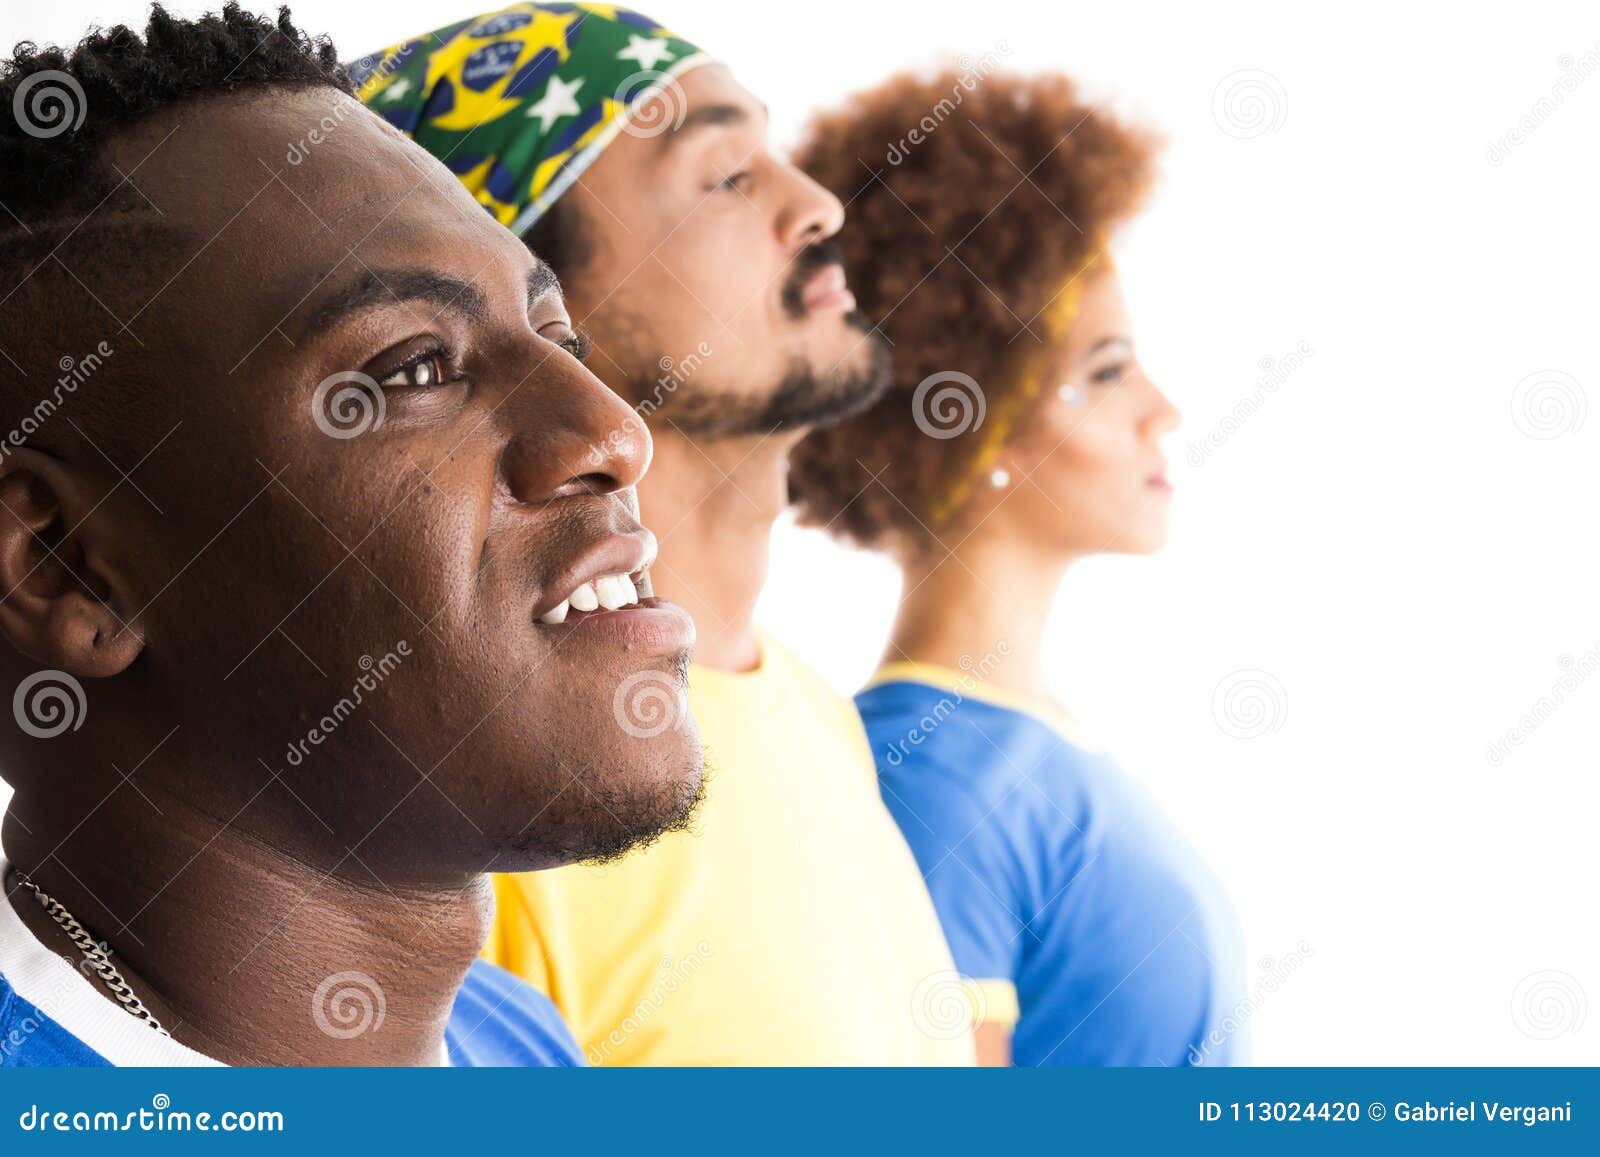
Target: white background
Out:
[1399,543]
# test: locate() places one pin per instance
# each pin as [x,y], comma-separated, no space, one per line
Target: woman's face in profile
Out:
[1093,446]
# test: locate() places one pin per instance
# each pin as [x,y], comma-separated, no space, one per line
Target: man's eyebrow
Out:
[708,115]
[541,280]
[379,288]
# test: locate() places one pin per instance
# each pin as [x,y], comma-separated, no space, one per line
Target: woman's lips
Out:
[828,292]
[1158,482]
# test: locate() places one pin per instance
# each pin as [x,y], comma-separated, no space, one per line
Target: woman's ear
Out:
[64,599]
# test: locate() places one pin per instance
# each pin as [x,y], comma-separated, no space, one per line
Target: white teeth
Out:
[612,591]
[649,551]
[584,598]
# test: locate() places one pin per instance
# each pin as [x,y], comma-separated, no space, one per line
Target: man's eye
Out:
[575,342]
[734,180]
[419,373]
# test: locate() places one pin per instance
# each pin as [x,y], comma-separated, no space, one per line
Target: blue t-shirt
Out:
[1065,893]
[51,1015]
[501,1021]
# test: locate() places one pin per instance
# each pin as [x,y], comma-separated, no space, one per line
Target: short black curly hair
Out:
[973,205]
[72,102]
[60,200]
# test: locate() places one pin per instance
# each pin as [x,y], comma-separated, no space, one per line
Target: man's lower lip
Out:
[653,625]
[831,301]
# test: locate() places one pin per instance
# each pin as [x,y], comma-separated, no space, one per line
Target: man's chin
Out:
[839,375]
[597,823]
[844,343]
[663,815]
[853,380]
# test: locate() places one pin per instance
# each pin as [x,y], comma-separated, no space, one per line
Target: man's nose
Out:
[572,435]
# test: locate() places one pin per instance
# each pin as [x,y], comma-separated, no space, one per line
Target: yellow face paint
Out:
[1058,314]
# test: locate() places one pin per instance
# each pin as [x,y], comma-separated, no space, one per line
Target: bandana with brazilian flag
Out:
[517,103]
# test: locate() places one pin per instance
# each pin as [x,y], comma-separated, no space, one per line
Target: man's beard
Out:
[590,820]
[594,824]
[803,399]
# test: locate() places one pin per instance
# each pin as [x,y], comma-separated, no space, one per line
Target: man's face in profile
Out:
[283,538]
[704,273]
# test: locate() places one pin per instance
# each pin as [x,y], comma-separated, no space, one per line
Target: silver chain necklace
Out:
[93,953]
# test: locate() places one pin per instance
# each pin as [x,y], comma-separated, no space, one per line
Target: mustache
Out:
[807,262]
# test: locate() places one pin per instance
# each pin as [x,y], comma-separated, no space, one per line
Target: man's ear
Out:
[64,599]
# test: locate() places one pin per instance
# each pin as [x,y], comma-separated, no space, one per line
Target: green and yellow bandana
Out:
[519,102]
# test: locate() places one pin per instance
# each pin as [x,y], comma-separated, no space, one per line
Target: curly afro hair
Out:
[973,207]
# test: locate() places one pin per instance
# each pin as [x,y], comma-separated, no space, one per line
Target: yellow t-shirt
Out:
[790,927]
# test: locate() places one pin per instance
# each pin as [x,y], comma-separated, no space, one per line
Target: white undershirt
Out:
[56,987]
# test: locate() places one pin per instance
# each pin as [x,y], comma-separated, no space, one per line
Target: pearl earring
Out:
[1071,395]
[1000,479]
